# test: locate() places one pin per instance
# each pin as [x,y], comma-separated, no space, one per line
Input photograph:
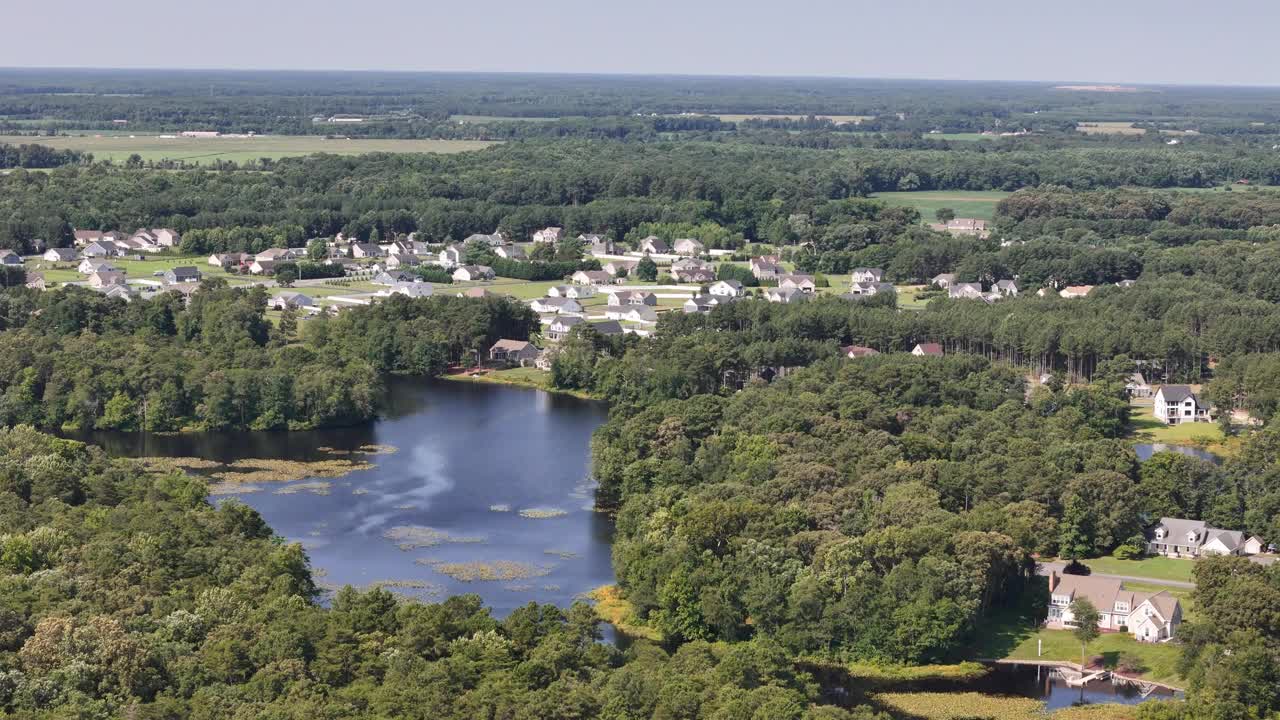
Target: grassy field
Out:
[979,204]
[207,150]
[1159,568]
[971,705]
[1146,428]
[134,269]
[1109,127]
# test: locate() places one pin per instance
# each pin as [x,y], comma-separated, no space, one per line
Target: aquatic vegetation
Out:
[374,449]
[360,491]
[551,588]
[412,537]
[956,706]
[542,513]
[171,464]
[500,507]
[562,554]
[410,588]
[616,610]
[269,470]
[405,507]
[224,488]
[317,487]
[518,587]
[492,570]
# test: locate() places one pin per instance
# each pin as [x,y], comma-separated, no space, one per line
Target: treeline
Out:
[39,157]
[201,612]
[76,360]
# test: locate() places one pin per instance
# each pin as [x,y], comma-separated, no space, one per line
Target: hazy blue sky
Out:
[1165,41]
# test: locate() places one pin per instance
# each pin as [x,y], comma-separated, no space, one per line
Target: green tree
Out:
[944,214]
[286,274]
[1075,540]
[647,270]
[1086,630]
[317,249]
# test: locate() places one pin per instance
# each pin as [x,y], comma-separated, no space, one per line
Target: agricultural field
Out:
[980,204]
[118,147]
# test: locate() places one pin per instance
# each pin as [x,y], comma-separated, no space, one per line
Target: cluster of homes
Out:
[1147,616]
[1001,289]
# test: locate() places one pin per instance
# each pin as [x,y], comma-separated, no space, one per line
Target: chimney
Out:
[1053,580]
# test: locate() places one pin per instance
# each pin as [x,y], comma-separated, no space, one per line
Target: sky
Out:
[1121,41]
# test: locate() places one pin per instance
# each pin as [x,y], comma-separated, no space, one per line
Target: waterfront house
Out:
[1175,404]
[514,352]
[1147,616]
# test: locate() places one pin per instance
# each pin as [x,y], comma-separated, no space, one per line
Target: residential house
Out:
[142,241]
[857,351]
[103,249]
[123,292]
[632,297]
[591,277]
[1179,537]
[1136,386]
[10,258]
[80,238]
[1007,288]
[867,275]
[561,326]
[558,305]
[105,278]
[35,281]
[655,246]
[295,300]
[475,292]
[60,255]
[273,254]
[166,237]
[726,288]
[1126,283]
[395,262]
[598,245]
[230,260]
[89,266]
[802,283]
[548,235]
[1147,616]
[695,275]
[468,273]
[766,267]
[576,292]
[182,274]
[514,352]
[451,256]
[1175,404]
[408,289]
[394,277]
[784,295]
[262,267]
[626,267]
[687,263]
[700,304]
[643,314]
[963,226]
[365,250]
[688,247]
[514,253]
[1254,546]
[607,327]
[965,291]
[1075,291]
[927,350]
[943,281]
[493,240]
[871,288]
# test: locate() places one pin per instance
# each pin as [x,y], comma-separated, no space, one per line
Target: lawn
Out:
[908,297]
[236,149]
[979,204]
[1146,428]
[1158,568]
[134,269]
[1014,635]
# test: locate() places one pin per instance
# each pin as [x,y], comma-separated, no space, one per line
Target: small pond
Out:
[1146,450]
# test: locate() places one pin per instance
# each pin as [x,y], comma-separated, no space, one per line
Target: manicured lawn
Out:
[135,269]
[979,204]
[1160,568]
[1014,635]
[1183,595]
[1144,427]
[908,297]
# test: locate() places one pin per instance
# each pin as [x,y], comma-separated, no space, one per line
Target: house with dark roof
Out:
[60,255]
[560,328]
[1177,404]
[964,291]
[514,352]
[365,250]
[654,245]
[469,273]
[558,305]
[182,274]
[10,258]
[700,304]
[1147,616]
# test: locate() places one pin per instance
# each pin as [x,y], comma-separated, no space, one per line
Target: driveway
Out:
[1058,565]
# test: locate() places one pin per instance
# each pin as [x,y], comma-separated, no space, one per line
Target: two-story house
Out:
[1148,617]
[1176,404]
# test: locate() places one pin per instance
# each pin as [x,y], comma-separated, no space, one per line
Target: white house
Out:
[1179,537]
[642,314]
[631,297]
[654,245]
[295,300]
[784,295]
[408,289]
[1254,546]
[1075,291]
[548,235]
[60,255]
[89,266]
[871,288]
[576,292]
[451,256]
[558,305]
[10,258]
[965,291]
[467,273]
[726,288]
[798,282]
[1008,288]
[1136,386]
[365,250]
[514,253]
[943,281]
[1148,617]
[1175,404]
[591,277]
[867,275]
[613,267]
[927,350]
[688,247]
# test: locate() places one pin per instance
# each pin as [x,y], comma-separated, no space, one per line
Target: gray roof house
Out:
[1008,288]
[291,299]
[515,352]
[1179,537]
[1176,404]
[60,255]
[943,281]
[9,257]
[654,244]
[1148,617]
[867,275]
[182,274]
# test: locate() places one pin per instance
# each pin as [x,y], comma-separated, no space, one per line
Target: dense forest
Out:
[76,360]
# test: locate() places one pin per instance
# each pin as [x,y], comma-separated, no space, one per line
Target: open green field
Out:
[206,150]
[135,269]
[979,204]
[1146,428]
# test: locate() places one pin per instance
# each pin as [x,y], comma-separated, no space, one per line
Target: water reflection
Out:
[462,449]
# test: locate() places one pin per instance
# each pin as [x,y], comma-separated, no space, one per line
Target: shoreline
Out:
[490,378]
[1076,668]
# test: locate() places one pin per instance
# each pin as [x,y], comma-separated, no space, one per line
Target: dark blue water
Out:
[461,449]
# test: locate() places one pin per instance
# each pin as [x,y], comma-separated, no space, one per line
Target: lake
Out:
[446,505]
